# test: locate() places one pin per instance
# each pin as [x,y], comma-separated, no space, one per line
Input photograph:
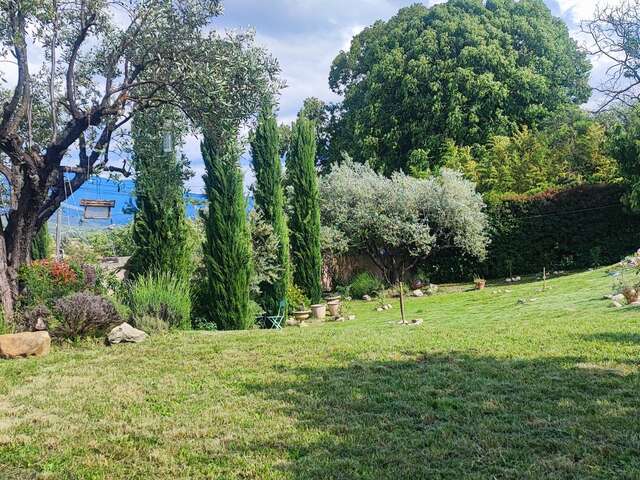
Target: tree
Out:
[624,146]
[400,221]
[160,230]
[227,246]
[304,216]
[269,200]
[41,244]
[614,31]
[105,61]
[464,70]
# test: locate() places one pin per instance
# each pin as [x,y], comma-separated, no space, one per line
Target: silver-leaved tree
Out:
[400,221]
[76,72]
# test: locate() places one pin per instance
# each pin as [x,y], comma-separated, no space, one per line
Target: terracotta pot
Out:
[630,294]
[301,315]
[480,284]
[319,311]
[334,308]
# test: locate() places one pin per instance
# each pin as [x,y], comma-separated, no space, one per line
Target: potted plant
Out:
[479,282]
[299,303]
[334,307]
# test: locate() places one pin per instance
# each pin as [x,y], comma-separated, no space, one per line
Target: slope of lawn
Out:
[485,388]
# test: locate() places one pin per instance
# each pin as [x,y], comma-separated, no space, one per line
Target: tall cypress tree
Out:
[227,246]
[41,244]
[269,199]
[160,230]
[304,221]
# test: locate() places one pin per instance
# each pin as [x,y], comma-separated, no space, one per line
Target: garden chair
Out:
[276,321]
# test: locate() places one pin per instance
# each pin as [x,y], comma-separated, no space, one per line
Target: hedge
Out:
[576,228]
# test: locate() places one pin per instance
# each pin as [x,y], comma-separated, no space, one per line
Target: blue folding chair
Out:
[276,321]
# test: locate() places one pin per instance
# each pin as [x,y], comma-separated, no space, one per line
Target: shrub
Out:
[151,324]
[46,280]
[80,252]
[35,318]
[161,296]
[84,314]
[296,298]
[364,284]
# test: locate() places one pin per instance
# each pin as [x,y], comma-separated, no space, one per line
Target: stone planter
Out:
[630,294]
[301,315]
[480,284]
[319,311]
[333,298]
[334,307]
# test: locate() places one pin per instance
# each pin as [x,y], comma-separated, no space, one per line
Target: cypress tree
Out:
[304,221]
[227,246]
[41,244]
[160,231]
[269,199]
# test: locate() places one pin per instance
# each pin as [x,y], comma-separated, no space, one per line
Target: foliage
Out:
[267,270]
[364,284]
[79,252]
[401,220]
[269,200]
[227,246]
[160,231]
[304,217]
[84,314]
[624,145]
[41,246]
[35,318]
[112,242]
[569,150]
[43,281]
[297,299]
[464,70]
[163,296]
[574,228]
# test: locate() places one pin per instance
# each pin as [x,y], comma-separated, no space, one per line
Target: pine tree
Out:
[304,221]
[269,199]
[160,230]
[41,244]
[227,246]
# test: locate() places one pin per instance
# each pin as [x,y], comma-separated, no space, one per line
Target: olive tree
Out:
[105,60]
[399,221]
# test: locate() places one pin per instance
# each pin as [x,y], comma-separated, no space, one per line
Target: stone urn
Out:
[480,283]
[630,294]
[301,315]
[319,311]
[334,307]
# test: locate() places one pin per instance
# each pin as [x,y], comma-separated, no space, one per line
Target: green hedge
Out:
[576,228]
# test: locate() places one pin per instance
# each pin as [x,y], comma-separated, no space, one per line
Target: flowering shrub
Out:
[84,314]
[45,280]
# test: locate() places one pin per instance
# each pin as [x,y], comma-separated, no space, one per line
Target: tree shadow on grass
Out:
[455,416]
[615,337]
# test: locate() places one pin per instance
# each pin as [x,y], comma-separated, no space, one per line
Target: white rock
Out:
[366,298]
[125,333]
[616,305]
[618,298]
[418,293]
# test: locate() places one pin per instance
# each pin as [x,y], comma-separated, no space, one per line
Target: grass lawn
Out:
[485,388]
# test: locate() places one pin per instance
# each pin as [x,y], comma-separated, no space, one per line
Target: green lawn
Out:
[485,388]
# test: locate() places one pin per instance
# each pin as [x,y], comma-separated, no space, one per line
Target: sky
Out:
[306,35]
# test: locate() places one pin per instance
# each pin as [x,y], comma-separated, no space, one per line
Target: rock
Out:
[616,304]
[291,322]
[508,280]
[618,298]
[351,317]
[366,298]
[125,333]
[417,322]
[385,307]
[418,293]
[340,319]
[608,297]
[390,306]
[379,309]
[27,344]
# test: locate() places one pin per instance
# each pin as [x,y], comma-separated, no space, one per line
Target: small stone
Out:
[366,298]
[340,319]
[26,344]
[418,293]
[125,333]
[390,306]
[385,307]
[508,280]
[618,298]
[616,304]
[608,297]
[522,301]
[291,323]
[417,322]
[351,317]
[379,309]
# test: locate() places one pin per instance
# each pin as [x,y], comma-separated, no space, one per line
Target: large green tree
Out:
[269,199]
[227,246]
[462,71]
[304,215]
[160,230]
